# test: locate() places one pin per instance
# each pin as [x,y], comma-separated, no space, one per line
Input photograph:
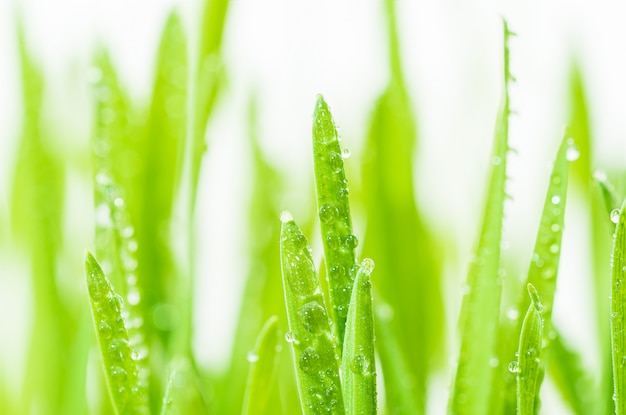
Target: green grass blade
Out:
[183,393]
[334,213]
[358,365]
[314,344]
[528,367]
[127,393]
[609,195]
[481,304]
[263,368]
[618,311]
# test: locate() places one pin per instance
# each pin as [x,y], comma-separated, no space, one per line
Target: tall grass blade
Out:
[263,369]
[334,213]
[184,391]
[618,311]
[528,367]
[609,195]
[358,365]
[481,303]
[314,344]
[118,358]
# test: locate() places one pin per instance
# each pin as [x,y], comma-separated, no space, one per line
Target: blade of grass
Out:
[183,393]
[334,213]
[263,368]
[618,311]
[481,304]
[528,367]
[314,345]
[358,365]
[118,358]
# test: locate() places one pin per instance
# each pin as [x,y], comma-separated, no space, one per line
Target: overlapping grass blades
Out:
[184,392]
[358,365]
[263,367]
[397,238]
[481,302]
[334,213]
[119,359]
[618,311]
[315,349]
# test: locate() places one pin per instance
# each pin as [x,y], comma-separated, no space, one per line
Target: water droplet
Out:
[119,374]
[496,160]
[118,202]
[359,365]
[514,367]
[351,242]
[301,275]
[344,192]
[286,216]
[572,153]
[252,357]
[132,245]
[105,330]
[555,200]
[555,227]
[615,216]
[337,271]
[310,361]
[342,311]
[290,337]
[554,248]
[345,153]
[494,362]
[128,231]
[367,265]
[333,241]
[335,162]
[328,213]
[313,317]
[556,179]
[117,348]
[599,176]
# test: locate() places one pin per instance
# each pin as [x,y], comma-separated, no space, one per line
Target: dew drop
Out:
[554,248]
[290,337]
[335,162]
[367,266]
[119,374]
[337,271]
[555,227]
[286,216]
[494,362]
[556,179]
[313,317]
[105,330]
[512,314]
[128,231]
[252,357]
[310,361]
[333,241]
[133,296]
[118,202]
[615,216]
[599,176]
[572,153]
[496,161]
[359,365]
[345,153]
[514,367]
[328,213]
[555,200]
[342,311]
[301,275]
[351,242]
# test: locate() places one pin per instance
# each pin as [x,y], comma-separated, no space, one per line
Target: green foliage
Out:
[618,311]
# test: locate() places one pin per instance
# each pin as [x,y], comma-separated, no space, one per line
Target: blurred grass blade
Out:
[609,195]
[334,213]
[263,367]
[528,367]
[358,365]
[183,393]
[481,303]
[618,311]
[127,393]
[314,345]
[408,261]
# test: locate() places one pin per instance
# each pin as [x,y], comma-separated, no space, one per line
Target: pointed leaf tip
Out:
[534,297]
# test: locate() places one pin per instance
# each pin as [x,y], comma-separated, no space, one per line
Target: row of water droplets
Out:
[311,331]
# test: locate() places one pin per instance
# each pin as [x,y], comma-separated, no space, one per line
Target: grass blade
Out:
[183,393]
[314,345]
[481,304]
[334,213]
[263,367]
[618,311]
[126,391]
[528,367]
[358,365]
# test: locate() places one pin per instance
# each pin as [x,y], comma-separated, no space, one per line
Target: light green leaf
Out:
[263,367]
[358,365]
[334,213]
[183,394]
[618,311]
[528,367]
[314,344]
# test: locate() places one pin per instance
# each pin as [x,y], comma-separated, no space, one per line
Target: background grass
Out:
[415,209]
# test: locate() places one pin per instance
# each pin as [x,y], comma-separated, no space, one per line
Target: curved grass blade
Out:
[618,312]
[481,304]
[263,367]
[314,345]
[183,393]
[609,194]
[528,367]
[126,391]
[334,213]
[358,365]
